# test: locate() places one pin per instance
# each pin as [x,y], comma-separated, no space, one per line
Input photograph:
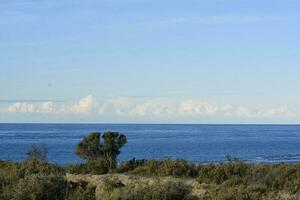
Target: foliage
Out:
[99,166]
[157,190]
[92,148]
[237,180]
[130,165]
[166,191]
[80,191]
[176,168]
[12,173]
[39,187]
[36,166]
[8,177]
[218,173]
[76,169]
[37,153]
[36,179]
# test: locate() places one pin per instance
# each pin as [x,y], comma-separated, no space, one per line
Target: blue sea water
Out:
[197,143]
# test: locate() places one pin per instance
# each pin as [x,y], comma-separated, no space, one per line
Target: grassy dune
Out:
[153,180]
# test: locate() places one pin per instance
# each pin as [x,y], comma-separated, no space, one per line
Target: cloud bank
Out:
[155,107]
[21,107]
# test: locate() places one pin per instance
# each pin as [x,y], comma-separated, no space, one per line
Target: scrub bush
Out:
[160,168]
[157,190]
[39,187]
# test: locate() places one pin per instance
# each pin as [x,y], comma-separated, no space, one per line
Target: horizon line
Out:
[94,123]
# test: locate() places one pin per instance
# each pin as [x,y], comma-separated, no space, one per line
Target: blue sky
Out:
[150,61]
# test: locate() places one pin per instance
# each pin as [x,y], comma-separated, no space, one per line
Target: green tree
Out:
[90,147]
[101,147]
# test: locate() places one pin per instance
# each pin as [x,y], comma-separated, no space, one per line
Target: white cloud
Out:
[47,107]
[85,105]
[280,111]
[157,107]
[193,107]
[44,107]
[21,107]
[119,106]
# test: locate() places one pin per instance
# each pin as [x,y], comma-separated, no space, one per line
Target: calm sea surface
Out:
[198,143]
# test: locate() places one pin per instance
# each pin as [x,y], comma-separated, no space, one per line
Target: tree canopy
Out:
[97,146]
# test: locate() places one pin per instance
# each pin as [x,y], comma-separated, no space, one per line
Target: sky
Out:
[150,61]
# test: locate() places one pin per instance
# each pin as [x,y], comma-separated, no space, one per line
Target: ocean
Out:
[196,143]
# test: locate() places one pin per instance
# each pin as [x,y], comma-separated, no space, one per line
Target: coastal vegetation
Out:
[101,177]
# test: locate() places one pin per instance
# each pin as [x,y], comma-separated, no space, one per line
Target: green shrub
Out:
[257,190]
[219,173]
[36,166]
[237,180]
[167,191]
[7,180]
[80,191]
[234,193]
[176,168]
[8,165]
[130,165]
[39,187]
[157,190]
[276,177]
[75,168]
[37,152]
[99,166]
